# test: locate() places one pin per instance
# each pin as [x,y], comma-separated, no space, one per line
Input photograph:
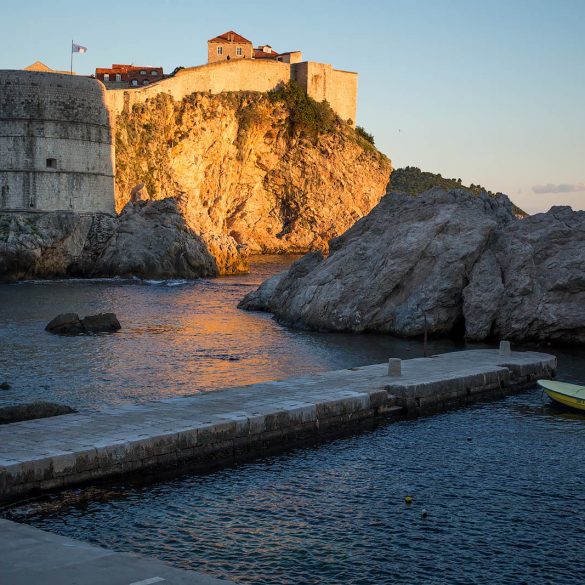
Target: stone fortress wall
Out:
[56,150]
[56,131]
[319,80]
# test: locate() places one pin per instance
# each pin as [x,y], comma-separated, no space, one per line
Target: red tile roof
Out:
[230,37]
[262,55]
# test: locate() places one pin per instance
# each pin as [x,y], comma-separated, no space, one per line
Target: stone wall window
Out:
[51,163]
[239,51]
[106,77]
[220,50]
[145,82]
[134,82]
[142,72]
[154,73]
[118,77]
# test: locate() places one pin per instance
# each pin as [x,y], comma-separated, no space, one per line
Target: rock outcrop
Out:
[251,167]
[530,283]
[448,262]
[203,182]
[148,240]
[152,240]
[71,324]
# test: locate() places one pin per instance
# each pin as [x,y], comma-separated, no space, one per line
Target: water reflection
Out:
[175,340]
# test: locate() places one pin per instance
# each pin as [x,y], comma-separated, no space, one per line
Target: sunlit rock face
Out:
[243,175]
[447,262]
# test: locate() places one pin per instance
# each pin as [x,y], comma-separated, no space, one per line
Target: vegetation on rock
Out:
[273,172]
[306,116]
[361,131]
[413,181]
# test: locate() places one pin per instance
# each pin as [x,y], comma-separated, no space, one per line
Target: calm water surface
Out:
[177,338]
[503,481]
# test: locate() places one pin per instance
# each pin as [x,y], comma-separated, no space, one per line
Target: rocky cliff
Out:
[448,262]
[273,172]
[201,183]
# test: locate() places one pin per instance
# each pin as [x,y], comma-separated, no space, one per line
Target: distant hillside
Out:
[413,181]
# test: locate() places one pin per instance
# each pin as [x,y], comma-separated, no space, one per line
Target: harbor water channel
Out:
[498,488]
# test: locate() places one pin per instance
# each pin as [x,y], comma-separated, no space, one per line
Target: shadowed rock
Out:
[65,324]
[33,410]
[449,262]
[102,323]
[71,324]
[148,240]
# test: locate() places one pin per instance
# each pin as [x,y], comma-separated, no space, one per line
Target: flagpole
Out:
[71,71]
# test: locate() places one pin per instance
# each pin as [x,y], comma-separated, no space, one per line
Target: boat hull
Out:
[566,395]
[567,401]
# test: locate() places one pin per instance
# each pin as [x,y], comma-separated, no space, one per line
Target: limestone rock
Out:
[530,284]
[242,174]
[45,245]
[153,241]
[101,323]
[148,240]
[71,324]
[66,324]
[449,262]
[139,193]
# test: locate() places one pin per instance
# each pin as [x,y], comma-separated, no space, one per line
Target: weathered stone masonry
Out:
[319,80]
[56,145]
[56,150]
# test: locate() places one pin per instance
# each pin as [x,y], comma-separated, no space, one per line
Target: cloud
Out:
[561,188]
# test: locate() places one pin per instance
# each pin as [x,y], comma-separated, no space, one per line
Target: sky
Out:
[490,91]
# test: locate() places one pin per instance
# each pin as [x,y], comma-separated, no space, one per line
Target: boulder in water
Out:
[66,324]
[102,323]
[71,324]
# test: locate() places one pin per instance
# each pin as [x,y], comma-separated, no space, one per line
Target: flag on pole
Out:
[78,48]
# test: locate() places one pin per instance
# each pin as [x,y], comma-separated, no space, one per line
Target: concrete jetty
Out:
[30,556]
[213,428]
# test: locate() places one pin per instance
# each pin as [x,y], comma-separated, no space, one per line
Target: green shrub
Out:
[307,117]
[360,131]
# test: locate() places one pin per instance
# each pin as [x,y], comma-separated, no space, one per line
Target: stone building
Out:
[228,46]
[119,76]
[56,150]
[235,65]
[231,45]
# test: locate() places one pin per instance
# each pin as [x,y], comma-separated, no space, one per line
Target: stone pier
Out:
[214,428]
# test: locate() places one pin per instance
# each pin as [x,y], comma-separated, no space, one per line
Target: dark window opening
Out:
[4,200]
[51,163]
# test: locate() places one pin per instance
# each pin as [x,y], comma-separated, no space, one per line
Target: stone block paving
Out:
[34,557]
[53,452]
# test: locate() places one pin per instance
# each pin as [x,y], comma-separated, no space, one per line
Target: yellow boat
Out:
[569,395]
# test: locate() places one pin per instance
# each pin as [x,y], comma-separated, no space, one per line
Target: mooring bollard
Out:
[505,348]
[394,367]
